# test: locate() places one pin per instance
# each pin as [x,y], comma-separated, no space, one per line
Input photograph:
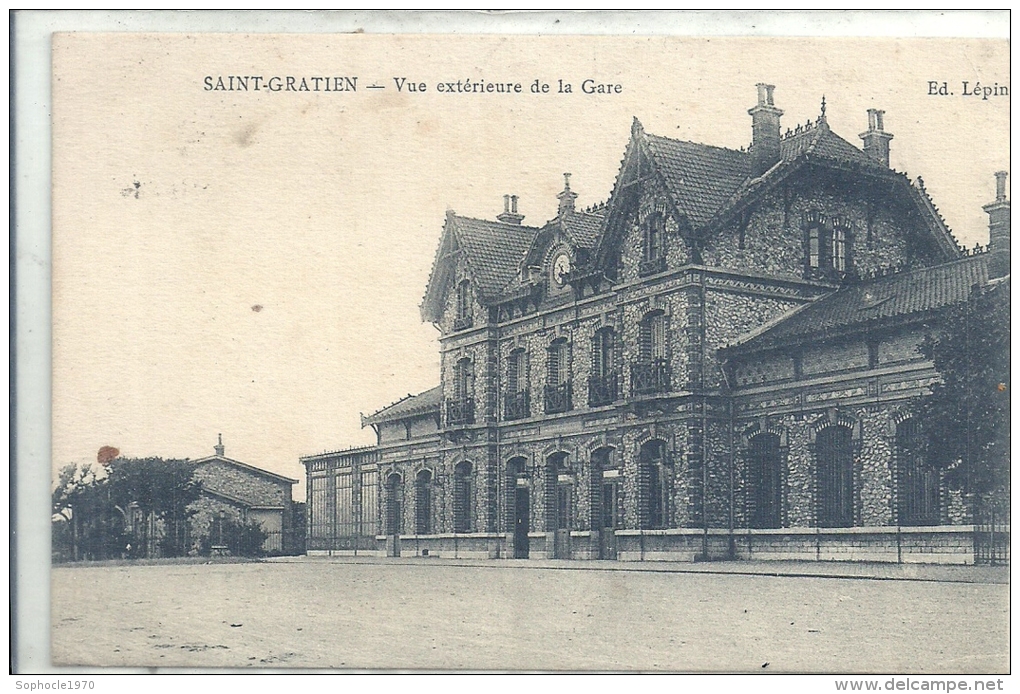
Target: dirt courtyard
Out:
[427,615]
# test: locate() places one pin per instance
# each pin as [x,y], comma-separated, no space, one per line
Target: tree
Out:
[967,413]
[97,502]
[162,489]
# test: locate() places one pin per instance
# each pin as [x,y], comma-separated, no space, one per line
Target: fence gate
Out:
[991,541]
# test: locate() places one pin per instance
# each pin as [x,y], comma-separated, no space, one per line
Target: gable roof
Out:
[870,304]
[710,184]
[246,467]
[423,403]
[699,177]
[492,251]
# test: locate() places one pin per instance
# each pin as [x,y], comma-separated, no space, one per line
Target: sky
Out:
[252,263]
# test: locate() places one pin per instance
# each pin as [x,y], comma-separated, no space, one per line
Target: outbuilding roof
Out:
[423,403]
[893,297]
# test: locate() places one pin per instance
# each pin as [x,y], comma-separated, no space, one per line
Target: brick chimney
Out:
[509,215]
[219,446]
[764,131]
[998,228]
[876,140]
[566,197]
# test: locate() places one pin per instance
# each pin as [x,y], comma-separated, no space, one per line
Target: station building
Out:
[717,362]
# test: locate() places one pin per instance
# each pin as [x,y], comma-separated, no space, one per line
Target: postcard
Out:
[530,352]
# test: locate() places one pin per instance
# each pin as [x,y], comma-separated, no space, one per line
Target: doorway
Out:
[610,517]
[522,519]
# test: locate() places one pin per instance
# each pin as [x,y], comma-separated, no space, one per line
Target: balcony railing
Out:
[463,322]
[558,398]
[517,405]
[603,390]
[460,411]
[652,266]
[648,378]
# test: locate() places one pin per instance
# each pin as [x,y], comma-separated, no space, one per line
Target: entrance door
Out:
[610,520]
[561,540]
[522,522]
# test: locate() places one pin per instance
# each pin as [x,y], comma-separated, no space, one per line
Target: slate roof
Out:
[493,251]
[583,228]
[705,180]
[874,302]
[821,141]
[700,177]
[413,405]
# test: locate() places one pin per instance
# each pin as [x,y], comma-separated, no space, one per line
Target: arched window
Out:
[651,373]
[655,482]
[603,385]
[462,498]
[917,482]
[394,504]
[423,503]
[463,318]
[765,481]
[835,477]
[557,383]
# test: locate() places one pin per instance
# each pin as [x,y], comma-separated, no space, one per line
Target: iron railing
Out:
[460,411]
[603,390]
[558,398]
[517,405]
[649,378]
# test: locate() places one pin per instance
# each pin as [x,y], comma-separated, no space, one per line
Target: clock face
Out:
[561,266]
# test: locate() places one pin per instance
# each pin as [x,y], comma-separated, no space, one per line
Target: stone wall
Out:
[252,488]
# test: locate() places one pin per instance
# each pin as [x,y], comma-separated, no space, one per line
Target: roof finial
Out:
[219,445]
[822,117]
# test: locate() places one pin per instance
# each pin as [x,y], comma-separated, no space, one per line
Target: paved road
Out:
[319,614]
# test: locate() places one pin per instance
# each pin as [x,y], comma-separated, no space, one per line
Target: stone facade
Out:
[645,403]
[240,492]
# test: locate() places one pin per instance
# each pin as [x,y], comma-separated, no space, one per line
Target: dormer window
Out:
[463,319]
[654,252]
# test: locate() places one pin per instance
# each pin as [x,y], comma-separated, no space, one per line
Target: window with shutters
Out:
[765,481]
[653,236]
[517,399]
[917,482]
[558,384]
[462,498]
[463,319]
[603,384]
[835,477]
[650,374]
[423,503]
[655,481]
[460,409]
